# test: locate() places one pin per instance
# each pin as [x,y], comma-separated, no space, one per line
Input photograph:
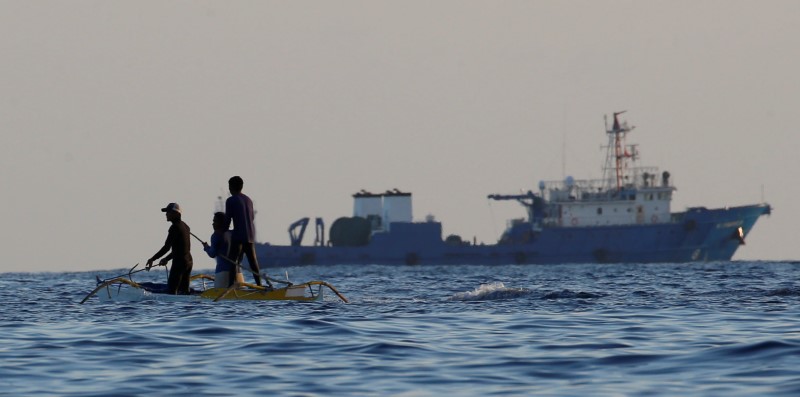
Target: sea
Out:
[697,329]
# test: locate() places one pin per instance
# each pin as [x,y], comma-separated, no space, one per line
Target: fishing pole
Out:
[198,238]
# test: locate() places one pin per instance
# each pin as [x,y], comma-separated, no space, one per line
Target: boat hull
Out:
[132,293]
[698,234]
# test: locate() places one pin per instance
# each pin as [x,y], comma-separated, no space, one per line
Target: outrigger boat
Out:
[125,289]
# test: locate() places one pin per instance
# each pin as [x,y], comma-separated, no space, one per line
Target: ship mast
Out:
[618,153]
[617,159]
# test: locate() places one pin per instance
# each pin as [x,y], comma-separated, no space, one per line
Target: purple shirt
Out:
[239,210]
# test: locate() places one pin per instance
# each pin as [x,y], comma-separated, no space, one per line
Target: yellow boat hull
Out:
[302,292]
[124,290]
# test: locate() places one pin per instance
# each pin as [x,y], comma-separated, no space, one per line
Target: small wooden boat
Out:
[126,290]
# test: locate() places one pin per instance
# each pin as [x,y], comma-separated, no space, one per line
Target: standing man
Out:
[239,210]
[178,243]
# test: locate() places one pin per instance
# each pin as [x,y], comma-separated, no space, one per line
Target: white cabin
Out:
[627,194]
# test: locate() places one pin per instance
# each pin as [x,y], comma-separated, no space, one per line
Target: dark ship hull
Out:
[698,234]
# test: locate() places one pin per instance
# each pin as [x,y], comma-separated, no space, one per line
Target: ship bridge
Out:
[627,194]
[572,203]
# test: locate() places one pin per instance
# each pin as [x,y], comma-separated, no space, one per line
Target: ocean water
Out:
[715,329]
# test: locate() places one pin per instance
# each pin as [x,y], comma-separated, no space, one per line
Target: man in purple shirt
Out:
[239,210]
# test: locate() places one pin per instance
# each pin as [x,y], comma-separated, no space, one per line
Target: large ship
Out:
[625,217]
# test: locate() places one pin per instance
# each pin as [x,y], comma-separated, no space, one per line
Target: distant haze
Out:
[111,110]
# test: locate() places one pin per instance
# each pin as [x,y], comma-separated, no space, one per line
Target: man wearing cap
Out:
[178,243]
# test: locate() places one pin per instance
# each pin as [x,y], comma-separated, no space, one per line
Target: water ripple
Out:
[725,328]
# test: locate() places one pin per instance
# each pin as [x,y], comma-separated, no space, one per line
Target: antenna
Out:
[563,143]
[563,154]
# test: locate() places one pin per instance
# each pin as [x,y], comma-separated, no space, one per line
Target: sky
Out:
[111,110]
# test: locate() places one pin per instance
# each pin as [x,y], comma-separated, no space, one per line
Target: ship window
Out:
[599,211]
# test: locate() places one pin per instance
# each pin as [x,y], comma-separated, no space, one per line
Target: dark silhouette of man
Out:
[178,243]
[239,211]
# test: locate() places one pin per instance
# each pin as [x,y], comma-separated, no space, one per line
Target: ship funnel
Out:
[383,209]
[366,204]
[396,207]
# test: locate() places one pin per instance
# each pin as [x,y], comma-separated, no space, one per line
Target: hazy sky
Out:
[112,109]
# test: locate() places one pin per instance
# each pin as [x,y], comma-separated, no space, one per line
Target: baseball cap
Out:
[172,207]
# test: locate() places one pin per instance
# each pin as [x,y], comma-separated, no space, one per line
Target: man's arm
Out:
[211,249]
[158,254]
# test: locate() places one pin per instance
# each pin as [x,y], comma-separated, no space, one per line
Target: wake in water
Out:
[491,292]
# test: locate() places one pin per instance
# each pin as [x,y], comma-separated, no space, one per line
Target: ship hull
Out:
[697,234]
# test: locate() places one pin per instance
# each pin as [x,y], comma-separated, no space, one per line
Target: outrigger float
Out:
[124,289]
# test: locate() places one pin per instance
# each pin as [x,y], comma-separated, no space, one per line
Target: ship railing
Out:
[605,189]
[577,190]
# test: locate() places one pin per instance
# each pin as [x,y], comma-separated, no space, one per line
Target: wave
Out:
[789,291]
[567,294]
[492,291]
